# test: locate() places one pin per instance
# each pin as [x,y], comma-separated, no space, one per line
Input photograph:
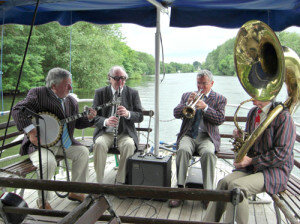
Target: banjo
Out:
[51,127]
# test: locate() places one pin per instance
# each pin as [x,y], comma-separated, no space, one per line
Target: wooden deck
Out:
[190,210]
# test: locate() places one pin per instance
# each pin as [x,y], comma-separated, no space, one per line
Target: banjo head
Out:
[50,130]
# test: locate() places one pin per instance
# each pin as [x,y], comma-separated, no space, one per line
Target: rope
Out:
[20,74]
[70,61]
[173,119]
[1,73]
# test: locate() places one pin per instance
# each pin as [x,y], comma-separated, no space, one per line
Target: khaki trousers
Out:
[249,184]
[79,155]
[205,149]
[126,147]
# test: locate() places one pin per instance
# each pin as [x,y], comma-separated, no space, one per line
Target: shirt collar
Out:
[266,108]
[207,94]
[113,90]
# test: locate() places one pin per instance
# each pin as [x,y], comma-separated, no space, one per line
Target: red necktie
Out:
[257,118]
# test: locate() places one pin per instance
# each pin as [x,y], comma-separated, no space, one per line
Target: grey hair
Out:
[115,69]
[56,76]
[207,73]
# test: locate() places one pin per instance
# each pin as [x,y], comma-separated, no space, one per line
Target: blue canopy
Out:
[278,14]
[67,12]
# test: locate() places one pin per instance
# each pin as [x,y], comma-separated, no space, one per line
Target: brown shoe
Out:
[205,204]
[40,204]
[76,197]
[174,203]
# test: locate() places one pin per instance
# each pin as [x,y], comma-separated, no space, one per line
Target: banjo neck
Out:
[84,114]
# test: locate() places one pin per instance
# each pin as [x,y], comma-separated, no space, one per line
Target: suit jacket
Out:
[43,99]
[129,99]
[272,152]
[212,118]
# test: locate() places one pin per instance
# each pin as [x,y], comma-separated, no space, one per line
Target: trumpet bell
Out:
[189,112]
[259,60]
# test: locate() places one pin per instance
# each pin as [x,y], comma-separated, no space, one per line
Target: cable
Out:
[20,74]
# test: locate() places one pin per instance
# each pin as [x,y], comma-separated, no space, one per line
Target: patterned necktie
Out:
[195,127]
[257,118]
[66,140]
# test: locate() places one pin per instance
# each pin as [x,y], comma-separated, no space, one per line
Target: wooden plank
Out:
[294,207]
[260,216]
[134,207]
[175,212]
[186,211]
[122,209]
[155,207]
[143,209]
[197,213]
[270,214]
[252,214]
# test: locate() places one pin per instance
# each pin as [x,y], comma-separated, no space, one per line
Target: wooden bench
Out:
[288,201]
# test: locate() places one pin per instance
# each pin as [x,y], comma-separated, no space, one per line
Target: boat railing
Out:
[235,196]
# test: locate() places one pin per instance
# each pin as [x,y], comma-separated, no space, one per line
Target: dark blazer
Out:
[212,118]
[130,100]
[272,152]
[42,99]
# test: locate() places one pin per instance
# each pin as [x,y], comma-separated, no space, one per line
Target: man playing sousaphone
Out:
[264,159]
[267,166]
[54,99]
[199,130]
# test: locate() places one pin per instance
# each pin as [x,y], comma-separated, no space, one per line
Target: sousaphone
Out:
[262,65]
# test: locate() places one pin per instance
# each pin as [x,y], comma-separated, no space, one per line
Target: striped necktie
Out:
[66,140]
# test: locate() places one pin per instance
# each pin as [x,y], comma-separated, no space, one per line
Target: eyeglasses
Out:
[118,78]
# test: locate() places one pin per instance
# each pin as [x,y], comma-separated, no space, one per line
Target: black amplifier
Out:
[194,178]
[149,170]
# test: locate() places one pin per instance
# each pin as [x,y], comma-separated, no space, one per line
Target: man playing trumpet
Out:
[200,132]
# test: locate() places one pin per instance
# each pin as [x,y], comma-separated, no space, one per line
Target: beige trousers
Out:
[249,184]
[79,155]
[205,149]
[126,147]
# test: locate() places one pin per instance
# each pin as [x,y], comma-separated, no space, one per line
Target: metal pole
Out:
[157,73]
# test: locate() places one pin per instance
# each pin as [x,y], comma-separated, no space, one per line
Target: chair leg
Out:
[117,162]
[277,211]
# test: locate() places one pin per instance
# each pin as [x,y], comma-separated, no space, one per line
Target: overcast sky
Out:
[183,45]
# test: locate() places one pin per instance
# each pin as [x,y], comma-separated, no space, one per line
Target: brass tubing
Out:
[258,132]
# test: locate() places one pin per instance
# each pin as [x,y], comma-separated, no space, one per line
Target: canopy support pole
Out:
[157,72]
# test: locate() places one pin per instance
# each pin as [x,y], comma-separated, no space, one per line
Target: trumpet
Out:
[189,111]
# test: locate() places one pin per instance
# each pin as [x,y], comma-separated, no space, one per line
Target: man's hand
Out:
[246,161]
[236,133]
[122,111]
[92,113]
[112,121]
[32,135]
[191,97]
[200,105]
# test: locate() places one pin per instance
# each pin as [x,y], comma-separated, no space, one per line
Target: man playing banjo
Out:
[54,98]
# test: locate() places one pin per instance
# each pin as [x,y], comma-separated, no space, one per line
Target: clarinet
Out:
[118,102]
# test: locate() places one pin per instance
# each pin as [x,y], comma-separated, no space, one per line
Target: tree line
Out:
[221,60]
[87,50]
